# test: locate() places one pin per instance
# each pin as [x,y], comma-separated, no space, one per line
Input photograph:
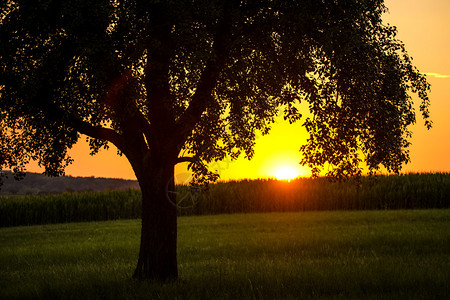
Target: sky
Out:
[422,25]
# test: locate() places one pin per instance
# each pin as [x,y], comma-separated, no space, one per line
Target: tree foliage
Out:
[210,74]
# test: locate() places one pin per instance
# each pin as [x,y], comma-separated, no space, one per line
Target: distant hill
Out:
[35,183]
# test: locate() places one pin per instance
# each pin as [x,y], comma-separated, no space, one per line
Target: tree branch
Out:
[99,132]
[156,79]
[210,75]
[129,117]
[184,159]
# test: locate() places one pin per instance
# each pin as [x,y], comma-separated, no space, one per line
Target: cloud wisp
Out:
[437,75]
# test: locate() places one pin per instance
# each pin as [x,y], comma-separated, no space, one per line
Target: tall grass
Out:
[412,191]
[70,207]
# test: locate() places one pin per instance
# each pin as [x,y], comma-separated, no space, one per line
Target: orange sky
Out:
[422,25]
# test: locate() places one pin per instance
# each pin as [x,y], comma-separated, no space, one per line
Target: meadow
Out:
[411,191]
[401,254]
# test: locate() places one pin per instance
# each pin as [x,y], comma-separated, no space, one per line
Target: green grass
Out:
[356,254]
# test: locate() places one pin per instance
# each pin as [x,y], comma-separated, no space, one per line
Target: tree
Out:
[194,81]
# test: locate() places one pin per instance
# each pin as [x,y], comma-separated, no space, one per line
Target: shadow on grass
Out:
[305,285]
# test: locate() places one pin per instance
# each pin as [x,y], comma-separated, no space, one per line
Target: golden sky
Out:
[423,26]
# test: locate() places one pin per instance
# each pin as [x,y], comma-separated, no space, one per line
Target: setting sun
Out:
[282,164]
[286,173]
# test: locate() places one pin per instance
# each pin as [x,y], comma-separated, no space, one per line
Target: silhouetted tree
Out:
[193,81]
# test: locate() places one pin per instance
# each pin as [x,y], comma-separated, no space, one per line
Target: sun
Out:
[283,165]
[286,173]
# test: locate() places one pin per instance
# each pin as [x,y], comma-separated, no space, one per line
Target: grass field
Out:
[411,191]
[403,254]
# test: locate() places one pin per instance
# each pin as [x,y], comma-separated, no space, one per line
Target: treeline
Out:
[38,184]
[412,191]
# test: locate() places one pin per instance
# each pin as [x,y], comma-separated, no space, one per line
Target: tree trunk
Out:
[158,250]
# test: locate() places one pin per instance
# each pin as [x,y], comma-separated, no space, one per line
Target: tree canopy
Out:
[212,71]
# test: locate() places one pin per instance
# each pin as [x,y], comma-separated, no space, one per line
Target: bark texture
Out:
[158,249]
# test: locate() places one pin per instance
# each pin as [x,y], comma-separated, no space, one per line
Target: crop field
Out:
[412,191]
[389,254]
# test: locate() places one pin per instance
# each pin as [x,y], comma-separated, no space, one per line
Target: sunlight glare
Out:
[286,173]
